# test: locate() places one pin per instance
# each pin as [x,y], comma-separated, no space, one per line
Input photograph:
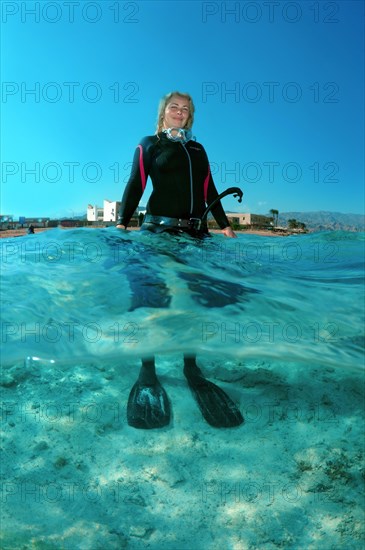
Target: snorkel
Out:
[196,223]
[235,191]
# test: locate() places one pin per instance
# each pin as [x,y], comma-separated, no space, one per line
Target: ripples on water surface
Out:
[82,293]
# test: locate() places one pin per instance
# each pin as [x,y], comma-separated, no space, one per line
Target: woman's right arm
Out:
[137,181]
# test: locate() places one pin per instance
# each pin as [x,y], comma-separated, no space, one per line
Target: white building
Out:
[109,213]
[94,213]
[111,209]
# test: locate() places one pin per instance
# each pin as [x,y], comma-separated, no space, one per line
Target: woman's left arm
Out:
[217,211]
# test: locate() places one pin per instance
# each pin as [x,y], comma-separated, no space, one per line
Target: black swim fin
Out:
[216,406]
[148,406]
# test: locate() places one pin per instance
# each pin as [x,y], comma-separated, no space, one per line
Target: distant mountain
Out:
[325,221]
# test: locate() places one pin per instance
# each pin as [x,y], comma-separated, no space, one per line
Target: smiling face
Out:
[176,112]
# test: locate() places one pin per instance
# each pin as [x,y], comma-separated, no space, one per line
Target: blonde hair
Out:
[162,106]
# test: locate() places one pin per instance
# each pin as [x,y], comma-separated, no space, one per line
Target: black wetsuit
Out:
[182,188]
[182,183]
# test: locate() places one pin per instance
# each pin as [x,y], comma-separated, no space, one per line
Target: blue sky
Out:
[278,89]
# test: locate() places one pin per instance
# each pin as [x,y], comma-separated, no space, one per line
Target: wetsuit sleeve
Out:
[211,194]
[137,180]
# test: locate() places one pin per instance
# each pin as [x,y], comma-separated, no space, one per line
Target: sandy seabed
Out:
[76,476]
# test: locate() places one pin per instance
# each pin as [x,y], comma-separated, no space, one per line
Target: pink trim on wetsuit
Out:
[206,183]
[141,167]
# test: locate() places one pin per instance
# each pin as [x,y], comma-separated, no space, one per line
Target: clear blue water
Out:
[86,293]
[278,323]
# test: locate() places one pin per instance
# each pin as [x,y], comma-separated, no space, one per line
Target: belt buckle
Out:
[195,223]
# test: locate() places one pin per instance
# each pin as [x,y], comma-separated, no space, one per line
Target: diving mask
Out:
[178,134]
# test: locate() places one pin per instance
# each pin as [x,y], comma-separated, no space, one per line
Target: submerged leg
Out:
[209,292]
[148,404]
[148,288]
[216,407]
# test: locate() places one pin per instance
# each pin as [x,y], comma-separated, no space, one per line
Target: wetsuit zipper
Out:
[191,181]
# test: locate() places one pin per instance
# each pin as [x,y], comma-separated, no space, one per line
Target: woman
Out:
[182,189]
[180,174]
